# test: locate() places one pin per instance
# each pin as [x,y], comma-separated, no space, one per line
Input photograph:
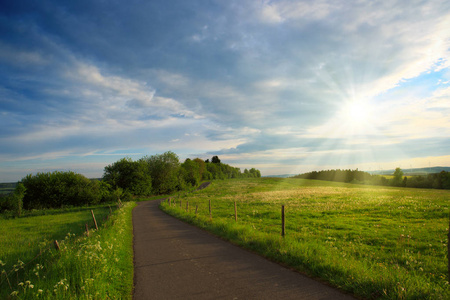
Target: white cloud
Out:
[125,87]
[269,13]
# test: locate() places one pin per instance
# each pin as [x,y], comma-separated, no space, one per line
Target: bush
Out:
[58,189]
[14,201]
[6,202]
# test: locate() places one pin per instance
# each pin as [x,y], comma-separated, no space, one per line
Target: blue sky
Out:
[283,86]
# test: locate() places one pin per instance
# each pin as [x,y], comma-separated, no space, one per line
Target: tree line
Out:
[436,180]
[164,174]
[151,175]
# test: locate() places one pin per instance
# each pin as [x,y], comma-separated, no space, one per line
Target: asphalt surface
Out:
[174,260]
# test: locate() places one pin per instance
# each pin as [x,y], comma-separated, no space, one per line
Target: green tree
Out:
[129,175]
[255,173]
[215,171]
[201,167]
[164,171]
[215,160]
[191,174]
[398,177]
[17,197]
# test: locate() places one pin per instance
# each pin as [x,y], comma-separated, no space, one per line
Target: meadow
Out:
[372,241]
[85,267]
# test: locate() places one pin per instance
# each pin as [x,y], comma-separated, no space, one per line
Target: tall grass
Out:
[375,242]
[96,267]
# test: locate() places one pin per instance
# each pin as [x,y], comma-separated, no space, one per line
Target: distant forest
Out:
[439,180]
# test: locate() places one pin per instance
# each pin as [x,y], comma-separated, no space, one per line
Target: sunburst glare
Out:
[358,112]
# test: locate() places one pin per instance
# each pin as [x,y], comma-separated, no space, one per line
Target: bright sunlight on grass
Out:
[371,241]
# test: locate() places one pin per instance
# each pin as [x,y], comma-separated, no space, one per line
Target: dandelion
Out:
[20,284]
[31,286]
[14,294]
[40,291]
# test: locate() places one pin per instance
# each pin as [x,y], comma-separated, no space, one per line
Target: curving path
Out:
[174,260]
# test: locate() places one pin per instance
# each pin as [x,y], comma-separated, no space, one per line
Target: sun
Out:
[357,113]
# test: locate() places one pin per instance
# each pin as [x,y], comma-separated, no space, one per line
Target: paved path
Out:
[174,260]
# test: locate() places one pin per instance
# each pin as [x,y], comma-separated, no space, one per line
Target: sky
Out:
[283,86]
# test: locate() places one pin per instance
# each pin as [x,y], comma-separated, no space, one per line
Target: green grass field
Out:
[22,238]
[375,242]
[84,268]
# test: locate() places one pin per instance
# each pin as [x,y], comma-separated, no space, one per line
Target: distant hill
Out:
[406,171]
[413,171]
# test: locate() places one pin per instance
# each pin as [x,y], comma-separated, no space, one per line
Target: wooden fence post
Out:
[282,221]
[93,217]
[210,214]
[235,212]
[57,245]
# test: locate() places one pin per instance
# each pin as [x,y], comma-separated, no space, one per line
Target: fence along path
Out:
[174,260]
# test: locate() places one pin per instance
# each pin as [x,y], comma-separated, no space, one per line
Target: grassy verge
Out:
[23,238]
[96,267]
[375,242]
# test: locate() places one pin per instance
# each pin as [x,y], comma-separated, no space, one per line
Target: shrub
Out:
[58,189]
